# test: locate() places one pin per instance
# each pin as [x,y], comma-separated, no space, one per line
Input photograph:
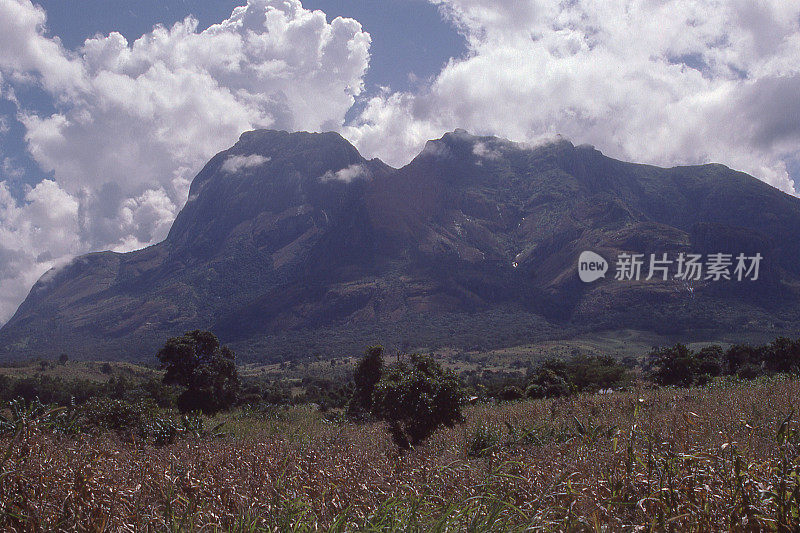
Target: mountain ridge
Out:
[296,236]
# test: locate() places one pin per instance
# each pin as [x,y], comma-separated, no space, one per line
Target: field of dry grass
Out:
[715,458]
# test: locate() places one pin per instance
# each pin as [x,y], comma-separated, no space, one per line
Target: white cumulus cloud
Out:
[346,175]
[483,151]
[236,163]
[35,235]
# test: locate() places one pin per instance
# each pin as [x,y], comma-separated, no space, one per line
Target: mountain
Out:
[293,244]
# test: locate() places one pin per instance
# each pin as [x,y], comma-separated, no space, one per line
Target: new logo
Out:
[591,267]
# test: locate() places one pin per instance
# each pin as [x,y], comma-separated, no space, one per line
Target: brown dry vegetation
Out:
[712,458]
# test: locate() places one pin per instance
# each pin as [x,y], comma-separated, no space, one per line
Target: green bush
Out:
[118,415]
[708,364]
[535,391]
[483,441]
[556,378]
[547,383]
[416,398]
[511,393]
[595,372]
[739,356]
[683,367]
[783,355]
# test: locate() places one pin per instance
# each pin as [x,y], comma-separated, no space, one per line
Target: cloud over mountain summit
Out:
[668,83]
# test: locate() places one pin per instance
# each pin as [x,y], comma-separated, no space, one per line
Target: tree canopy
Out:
[414,397]
[196,361]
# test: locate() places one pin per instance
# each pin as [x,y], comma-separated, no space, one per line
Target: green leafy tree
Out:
[783,355]
[548,382]
[366,376]
[207,370]
[416,398]
[708,363]
[595,372]
[675,365]
[744,360]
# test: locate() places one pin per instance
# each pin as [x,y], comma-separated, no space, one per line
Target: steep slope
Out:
[294,243]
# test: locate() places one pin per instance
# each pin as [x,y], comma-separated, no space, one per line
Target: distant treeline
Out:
[553,378]
[56,390]
[684,367]
[326,393]
[677,365]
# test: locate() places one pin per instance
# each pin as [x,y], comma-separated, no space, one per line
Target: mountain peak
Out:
[266,170]
[274,138]
[460,136]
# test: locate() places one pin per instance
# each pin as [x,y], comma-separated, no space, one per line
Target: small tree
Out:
[366,376]
[62,359]
[595,372]
[207,370]
[416,399]
[673,366]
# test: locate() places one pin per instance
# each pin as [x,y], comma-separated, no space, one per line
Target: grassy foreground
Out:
[721,457]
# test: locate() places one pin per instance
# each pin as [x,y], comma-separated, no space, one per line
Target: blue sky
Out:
[105,118]
[409,36]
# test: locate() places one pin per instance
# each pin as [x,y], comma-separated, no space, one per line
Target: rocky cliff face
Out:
[291,243]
